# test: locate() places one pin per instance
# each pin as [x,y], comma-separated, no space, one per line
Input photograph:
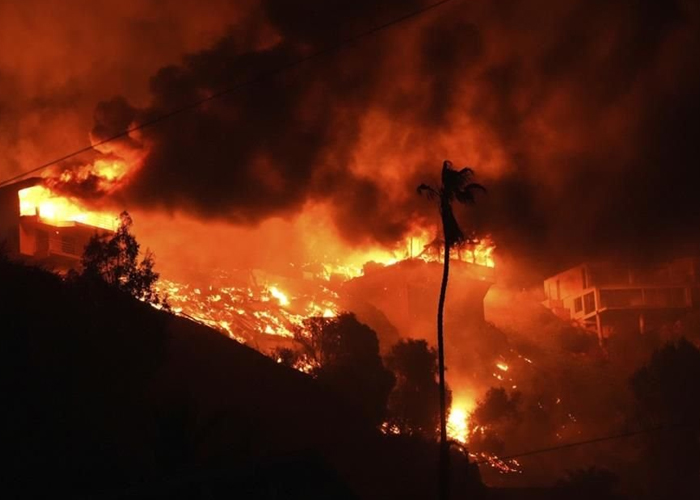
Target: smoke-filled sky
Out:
[580,117]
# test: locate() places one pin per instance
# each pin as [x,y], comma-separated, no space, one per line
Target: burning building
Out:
[38,226]
[608,298]
[406,294]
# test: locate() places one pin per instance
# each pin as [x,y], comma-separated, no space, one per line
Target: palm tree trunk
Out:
[444,463]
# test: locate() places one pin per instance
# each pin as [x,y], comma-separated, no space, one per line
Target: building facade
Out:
[609,298]
[46,239]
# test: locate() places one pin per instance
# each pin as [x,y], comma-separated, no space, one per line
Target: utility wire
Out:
[217,95]
[210,474]
[588,441]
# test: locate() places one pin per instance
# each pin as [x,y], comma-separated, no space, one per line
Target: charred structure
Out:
[34,229]
[406,294]
[610,298]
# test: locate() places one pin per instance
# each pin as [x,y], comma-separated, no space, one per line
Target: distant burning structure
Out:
[608,298]
[406,293]
[39,226]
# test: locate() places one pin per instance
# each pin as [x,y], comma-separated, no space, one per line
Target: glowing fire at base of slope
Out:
[246,311]
[458,421]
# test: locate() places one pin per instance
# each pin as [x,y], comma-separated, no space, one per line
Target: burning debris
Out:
[249,312]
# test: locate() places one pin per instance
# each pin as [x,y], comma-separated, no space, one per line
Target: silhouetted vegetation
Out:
[585,484]
[496,413]
[667,394]
[456,186]
[113,259]
[103,395]
[576,340]
[413,404]
[343,355]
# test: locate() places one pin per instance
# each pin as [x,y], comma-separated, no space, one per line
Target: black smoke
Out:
[581,118]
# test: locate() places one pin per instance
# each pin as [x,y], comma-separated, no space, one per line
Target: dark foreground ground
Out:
[106,397]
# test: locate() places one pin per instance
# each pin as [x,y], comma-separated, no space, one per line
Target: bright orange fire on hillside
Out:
[42,202]
[242,310]
[248,312]
[418,245]
[458,421]
[253,307]
[48,202]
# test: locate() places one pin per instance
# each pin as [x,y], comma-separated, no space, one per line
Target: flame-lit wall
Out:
[54,242]
[9,215]
[611,298]
[406,294]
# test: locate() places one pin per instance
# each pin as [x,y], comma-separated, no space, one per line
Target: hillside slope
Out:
[105,395]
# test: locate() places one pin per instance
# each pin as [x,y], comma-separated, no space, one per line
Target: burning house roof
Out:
[40,225]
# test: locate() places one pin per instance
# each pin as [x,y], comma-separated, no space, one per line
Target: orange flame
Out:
[56,210]
[418,245]
[458,422]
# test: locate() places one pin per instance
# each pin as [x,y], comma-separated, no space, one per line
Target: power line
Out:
[261,76]
[588,441]
[210,474]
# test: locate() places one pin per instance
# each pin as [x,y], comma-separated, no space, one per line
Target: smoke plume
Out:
[579,117]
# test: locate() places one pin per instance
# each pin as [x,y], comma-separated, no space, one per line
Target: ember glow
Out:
[418,245]
[245,312]
[458,420]
[106,174]
[55,209]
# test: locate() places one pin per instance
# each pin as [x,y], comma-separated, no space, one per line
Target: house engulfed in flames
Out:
[610,298]
[406,294]
[40,227]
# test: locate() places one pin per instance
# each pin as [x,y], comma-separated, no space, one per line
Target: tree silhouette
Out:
[343,354]
[413,402]
[667,393]
[593,482]
[496,414]
[455,185]
[112,258]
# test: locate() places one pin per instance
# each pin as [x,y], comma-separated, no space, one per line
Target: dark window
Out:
[603,275]
[665,297]
[578,304]
[621,298]
[68,245]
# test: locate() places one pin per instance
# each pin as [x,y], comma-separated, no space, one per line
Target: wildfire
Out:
[418,245]
[40,201]
[247,310]
[107,175]
[458,420]
[458,425]
[49,200]
[279,295]
[251,311]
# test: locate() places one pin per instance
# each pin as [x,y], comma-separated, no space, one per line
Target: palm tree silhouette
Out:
[455,185]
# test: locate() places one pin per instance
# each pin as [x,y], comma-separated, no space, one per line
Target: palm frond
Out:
[466,172]
[456,185]
[429,191]
[465,194]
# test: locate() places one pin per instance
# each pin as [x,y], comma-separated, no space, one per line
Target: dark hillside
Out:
[104,395]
